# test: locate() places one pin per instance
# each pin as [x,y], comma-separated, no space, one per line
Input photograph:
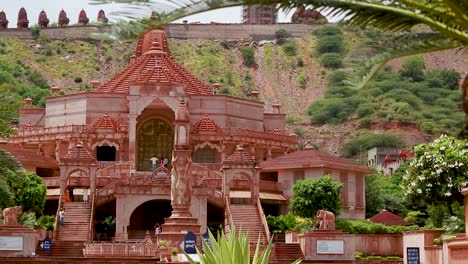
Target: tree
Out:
[18,186]
[384,192]
[446,21]
[438,173]
[413,68]
[311,195]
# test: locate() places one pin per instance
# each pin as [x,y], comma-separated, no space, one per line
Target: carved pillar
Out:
[181,183]
[465,193]
[256,184]
[132,139]
[121,220]
[92,181]
[268,152]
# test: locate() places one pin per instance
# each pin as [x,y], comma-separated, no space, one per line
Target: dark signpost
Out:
[190,241]
[206,237]
[412,255]
[46,244]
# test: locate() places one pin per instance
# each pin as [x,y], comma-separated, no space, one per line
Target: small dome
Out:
[205,124]
[145,42]
[23,21]
[83,18]
[102,17]
[63,19]
[3,20]
[43,21]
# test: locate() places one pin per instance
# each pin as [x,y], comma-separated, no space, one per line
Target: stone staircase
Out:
[282,253]
[245,217]
[76,224]
[63,249]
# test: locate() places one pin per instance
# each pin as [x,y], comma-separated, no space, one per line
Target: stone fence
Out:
[255,32]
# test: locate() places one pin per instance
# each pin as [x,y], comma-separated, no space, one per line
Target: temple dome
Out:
[3,20]
[153,64]
[240,155]
[23,21]
[63,19]
[102,17]
[205,124]
[43,21]
[105,121]
[83,18]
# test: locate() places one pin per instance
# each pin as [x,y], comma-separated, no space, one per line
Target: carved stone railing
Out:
[51,181]
[269,186]
[263,219]
[111,249]
[227,217]
[91,219]
[238,134]
[112,168]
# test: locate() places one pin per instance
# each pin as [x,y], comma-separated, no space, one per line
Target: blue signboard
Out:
[190,242]
[412,255]
[206,237]
[46,244]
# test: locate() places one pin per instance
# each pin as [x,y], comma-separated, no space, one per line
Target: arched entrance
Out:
[102,228]
[155,137]
[145,216]
[215,218]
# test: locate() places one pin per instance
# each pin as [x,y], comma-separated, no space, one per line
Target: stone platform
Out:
[17,241]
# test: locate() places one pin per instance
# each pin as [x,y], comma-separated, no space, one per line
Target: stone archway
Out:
[155,136]
[146,215]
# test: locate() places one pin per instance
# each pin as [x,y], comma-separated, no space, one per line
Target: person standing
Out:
[154,162]
[70,192]
[85,195]
[62,216]
[166,162]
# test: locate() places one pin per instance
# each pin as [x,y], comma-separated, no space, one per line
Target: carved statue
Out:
[181,184]
[326,220]
[10,215]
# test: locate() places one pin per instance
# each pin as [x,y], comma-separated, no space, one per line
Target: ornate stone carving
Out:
[10,215]
[181,182]
[326,220]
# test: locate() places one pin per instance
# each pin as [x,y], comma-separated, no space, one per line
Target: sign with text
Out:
[330,247]
[190,241]
[46,244]
[412,255]
[206,238]
[11,243]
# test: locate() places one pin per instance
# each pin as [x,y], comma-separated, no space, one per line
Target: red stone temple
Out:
[63,20]
[102,17]
[230,163]
[83,18]
[43,21]
[3,20]
[23,21]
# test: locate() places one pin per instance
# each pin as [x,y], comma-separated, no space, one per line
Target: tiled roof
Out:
[240,155]
[387,218]
[311,158]
[28,157]
[153,64]
[105,121]
[205,124]
[78,152]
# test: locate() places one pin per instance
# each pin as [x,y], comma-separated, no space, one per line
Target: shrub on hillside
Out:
[369,141]
[290,47]
[330,111]
[248,56]
[330,44]
[328,30]
[339,92]
[337,77]
[37,79]
[413,68]
[331,60]
[301,80]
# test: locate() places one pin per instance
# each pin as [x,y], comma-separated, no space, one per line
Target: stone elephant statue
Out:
[326,220]
[10,215]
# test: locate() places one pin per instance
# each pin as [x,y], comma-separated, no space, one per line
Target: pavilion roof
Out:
[79,153]
[152,63]
[387,218]
[311,158]
[240,156]
[205,124]
[105,121]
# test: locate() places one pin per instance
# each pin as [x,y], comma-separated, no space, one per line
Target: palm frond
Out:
[373,55]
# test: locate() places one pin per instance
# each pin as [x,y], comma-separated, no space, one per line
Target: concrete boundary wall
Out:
[177,31]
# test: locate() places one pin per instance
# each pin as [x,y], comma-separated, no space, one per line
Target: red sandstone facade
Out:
[226,155]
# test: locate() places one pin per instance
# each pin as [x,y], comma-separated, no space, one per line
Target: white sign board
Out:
[11,243]
[330,247]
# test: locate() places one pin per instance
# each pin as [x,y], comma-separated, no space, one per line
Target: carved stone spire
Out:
[63,19]
[23,21]
[43,21]
[102,17]
[83,18]
[3,20]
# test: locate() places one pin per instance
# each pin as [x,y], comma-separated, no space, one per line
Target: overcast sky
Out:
[73,7]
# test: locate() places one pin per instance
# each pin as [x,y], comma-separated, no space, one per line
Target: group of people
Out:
[70,196]
[161,162]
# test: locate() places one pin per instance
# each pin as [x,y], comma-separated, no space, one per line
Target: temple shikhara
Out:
[229,161]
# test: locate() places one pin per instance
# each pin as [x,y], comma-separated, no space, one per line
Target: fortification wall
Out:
[177,31]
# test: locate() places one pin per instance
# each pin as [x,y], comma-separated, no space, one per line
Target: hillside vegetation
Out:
[303,75]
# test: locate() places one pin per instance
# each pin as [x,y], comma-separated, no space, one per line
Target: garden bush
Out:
[290,48]
[331,60]
[248,56]
[330,44]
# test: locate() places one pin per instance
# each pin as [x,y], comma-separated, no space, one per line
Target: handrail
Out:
[263,219]
[57,218]
[91,219]
[229,217]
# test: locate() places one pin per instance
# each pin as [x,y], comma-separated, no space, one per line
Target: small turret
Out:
[101,17]
[43,21]
[23,21]
[3,20]
[63,19]
[83,18]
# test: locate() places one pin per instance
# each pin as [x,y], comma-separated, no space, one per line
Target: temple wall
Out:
[66,110]
[114,104]
[177,31]
[31,115]
[274,121]
[353,190]
[228,111]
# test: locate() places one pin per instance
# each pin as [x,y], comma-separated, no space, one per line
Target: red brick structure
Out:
[102,17]
[63,20]
[23,21]
[3,20]
[307,16]
[226,155]
[83,18]
[257,14]
[387,218]
[43,21]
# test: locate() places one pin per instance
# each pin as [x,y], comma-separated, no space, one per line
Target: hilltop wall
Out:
[177,31]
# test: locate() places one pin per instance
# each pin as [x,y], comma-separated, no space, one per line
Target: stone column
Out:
[132,139]
[181,183]
[465,193]
[121,223]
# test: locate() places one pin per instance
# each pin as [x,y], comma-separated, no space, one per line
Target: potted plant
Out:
[174,257]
